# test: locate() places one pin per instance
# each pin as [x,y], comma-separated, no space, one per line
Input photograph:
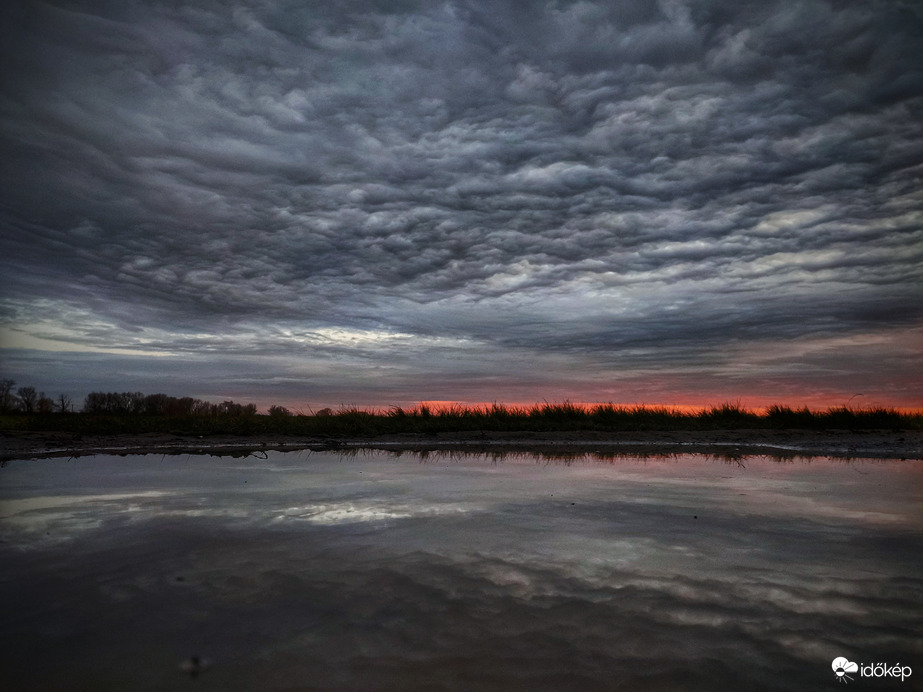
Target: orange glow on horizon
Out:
[439,405]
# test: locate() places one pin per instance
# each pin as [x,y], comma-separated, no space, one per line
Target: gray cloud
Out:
[580,177]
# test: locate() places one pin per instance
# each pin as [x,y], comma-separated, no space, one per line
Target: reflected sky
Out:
[378,571]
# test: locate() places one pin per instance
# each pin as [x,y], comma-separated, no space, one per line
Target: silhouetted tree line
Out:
[27,400]
[124,412]
[137,403]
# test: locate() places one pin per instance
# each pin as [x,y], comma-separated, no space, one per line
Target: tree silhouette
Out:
[6,394]
[45,404]
[65,403]
[28,398]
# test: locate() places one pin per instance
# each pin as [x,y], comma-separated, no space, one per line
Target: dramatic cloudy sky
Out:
[378,202]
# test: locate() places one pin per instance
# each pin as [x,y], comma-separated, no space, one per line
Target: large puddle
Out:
[375,571]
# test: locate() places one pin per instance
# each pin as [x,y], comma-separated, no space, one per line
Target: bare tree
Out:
[65,403]
[6,394]
[45,404]
[28,398]
[134,402]
[155,403]
[95,402]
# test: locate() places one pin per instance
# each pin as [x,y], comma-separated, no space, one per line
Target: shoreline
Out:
[783,444]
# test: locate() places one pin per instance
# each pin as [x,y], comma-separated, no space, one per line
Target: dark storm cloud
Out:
[573,177]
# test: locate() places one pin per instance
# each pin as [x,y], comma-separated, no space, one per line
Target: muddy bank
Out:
[779,443]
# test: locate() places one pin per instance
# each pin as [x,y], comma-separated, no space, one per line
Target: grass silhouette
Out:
[355,422]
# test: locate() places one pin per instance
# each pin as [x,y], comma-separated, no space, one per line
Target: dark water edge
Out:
[373,571]
[782,444]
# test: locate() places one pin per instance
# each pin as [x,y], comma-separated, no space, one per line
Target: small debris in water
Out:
[194,666]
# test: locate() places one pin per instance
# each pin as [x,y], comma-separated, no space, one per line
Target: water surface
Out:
[374,571]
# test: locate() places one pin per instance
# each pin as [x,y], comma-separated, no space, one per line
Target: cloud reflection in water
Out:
[376,572]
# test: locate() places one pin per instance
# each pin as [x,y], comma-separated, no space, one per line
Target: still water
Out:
[377,571]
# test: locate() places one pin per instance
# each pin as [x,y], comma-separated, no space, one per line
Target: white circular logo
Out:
[842,666]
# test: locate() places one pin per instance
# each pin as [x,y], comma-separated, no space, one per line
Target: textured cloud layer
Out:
[617,186]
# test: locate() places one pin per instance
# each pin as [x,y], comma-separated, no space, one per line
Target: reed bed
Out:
[355,422]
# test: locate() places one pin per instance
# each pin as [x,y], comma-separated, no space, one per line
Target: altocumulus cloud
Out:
[386,201]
